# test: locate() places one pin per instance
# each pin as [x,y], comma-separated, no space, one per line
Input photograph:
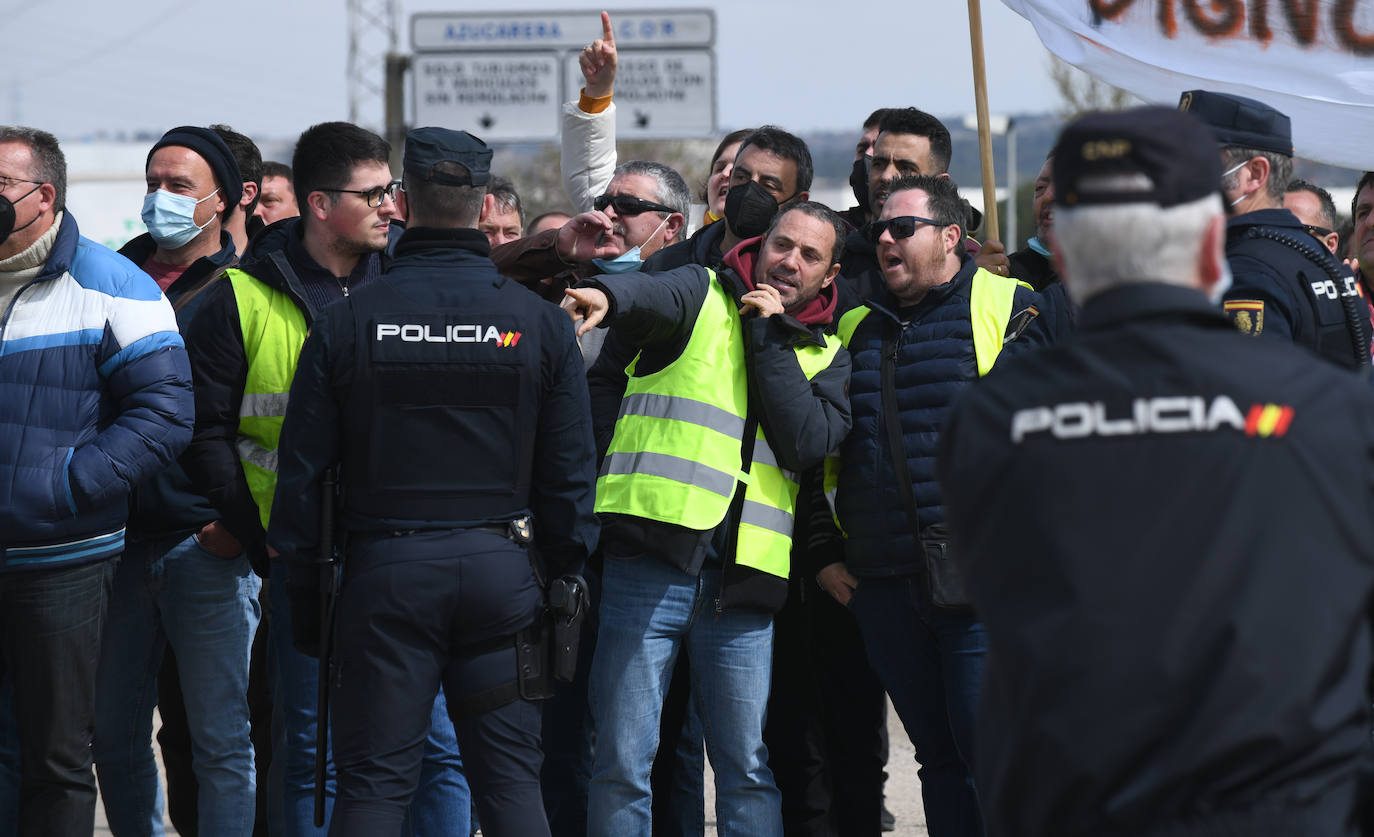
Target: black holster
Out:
[567,598]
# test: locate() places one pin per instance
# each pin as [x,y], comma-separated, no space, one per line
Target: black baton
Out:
[328,589]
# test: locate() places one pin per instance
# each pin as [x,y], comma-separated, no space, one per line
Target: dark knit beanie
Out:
[213,150]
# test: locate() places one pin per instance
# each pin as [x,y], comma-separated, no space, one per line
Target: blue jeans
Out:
[172,590]
[441,803]
[50,632]
[648,611]
[931,663]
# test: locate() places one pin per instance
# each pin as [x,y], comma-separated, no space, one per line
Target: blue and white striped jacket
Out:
[95,395]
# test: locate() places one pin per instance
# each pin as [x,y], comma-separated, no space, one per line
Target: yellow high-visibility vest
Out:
[273,332]
[675,455]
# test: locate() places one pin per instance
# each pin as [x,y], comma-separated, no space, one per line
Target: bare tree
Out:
[1082,93]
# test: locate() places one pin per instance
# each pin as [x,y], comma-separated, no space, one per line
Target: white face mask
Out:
[1237,167]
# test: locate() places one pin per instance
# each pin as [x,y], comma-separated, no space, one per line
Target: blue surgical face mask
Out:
[171,219]
[1038,246]
[629,261]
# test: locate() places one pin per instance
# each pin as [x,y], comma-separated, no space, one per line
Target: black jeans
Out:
[50,626]
[825,720]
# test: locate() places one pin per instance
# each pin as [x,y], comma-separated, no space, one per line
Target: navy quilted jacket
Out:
[95,395]
[935,362]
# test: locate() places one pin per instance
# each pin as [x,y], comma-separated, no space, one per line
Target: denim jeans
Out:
[50,631]
[441,803]
[649,612]
[931,663]
[173,591]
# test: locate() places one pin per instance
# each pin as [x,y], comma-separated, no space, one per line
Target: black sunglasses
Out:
[374,195]
[628,205]
[1318,232]
[903,226]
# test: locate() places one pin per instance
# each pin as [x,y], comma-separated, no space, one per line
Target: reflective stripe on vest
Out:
[675,455]
[273,332]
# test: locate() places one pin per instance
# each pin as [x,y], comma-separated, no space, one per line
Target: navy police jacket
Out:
[451,397]
[1168,531]
[1288,285]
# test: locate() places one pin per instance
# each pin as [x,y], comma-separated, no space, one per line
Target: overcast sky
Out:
[273,67]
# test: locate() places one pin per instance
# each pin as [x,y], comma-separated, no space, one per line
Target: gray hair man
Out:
[1092,492]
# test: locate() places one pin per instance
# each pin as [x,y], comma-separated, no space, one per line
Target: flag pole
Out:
[980,95]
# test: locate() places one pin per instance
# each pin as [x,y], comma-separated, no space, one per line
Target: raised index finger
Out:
[607,33]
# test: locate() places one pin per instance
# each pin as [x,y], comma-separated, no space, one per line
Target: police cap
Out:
[1236,120]
[428,147]
[1143,155]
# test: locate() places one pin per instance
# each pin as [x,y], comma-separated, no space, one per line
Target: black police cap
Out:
[1144,155]
[428,147]
[1236,120]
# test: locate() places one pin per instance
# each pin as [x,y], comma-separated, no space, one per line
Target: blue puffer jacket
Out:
[935,361]
[95,395]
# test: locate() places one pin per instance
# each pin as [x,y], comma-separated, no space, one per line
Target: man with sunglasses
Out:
[643,209]
[1316,209]
[939,323]
[244,344]
[1284,283]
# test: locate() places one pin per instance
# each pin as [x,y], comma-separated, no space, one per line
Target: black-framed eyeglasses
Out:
[628,205]
[903,226]
[7,181]
[1318,232]
[373,196]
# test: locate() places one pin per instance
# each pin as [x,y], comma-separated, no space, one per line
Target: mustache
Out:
[617,228]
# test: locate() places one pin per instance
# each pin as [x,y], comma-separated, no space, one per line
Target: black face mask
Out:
[749,209]
[858,181]
[7,215]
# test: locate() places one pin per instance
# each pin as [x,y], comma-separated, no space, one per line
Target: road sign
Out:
[445,31]
[498,96]
[505,76]
[659,94]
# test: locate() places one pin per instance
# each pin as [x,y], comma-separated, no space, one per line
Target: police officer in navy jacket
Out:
[1168,528]
[454,403]
[1287,284]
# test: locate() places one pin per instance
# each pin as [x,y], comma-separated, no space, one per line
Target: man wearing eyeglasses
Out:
[95,396]
[939,324]
[244,345]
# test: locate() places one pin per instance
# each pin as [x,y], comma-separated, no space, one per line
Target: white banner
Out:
[1311,59]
